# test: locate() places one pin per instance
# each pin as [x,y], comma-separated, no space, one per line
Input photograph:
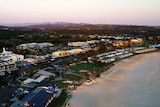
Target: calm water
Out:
[133,82]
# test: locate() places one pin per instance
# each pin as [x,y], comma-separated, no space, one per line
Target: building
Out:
[34,45]
[137,41]
[9,56]
[28,81]
[39,76]
[76,51]
[7,66]
[40,97]
[78,43]
[30,60]
[60,53]
[68,52]
[81,44]
[26,46]
[118,44]
[93,41]
[43,45]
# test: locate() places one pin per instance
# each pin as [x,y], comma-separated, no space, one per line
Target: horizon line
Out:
[39,23]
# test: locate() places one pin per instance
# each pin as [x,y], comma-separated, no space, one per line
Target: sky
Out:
[128,12]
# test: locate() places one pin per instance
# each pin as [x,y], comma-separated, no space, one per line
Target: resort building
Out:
[8,61]
[9,56]
[112,56]
[7,66]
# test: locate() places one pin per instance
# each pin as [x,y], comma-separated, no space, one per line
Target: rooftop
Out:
[38,98]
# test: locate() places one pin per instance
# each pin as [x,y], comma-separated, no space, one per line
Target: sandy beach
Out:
[133,82]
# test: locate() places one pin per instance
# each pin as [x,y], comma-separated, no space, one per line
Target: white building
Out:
[34,45]
[68,52]
[9,56]
[7,66]
[93,41]
[77,51]
[30,60]
[138,40]
[78,43]
[42,45]
[26,46]
[118,37]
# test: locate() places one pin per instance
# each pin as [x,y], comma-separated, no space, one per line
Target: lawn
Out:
[71,77]
[87,66]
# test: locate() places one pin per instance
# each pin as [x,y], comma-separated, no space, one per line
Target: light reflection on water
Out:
[133,82]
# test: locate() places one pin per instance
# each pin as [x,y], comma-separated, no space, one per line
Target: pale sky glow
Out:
[135,12]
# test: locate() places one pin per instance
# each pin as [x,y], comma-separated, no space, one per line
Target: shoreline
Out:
[107,71]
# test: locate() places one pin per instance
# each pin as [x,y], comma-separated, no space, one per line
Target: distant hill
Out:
[78,26]
[157,27]
[85,27]
[59,25]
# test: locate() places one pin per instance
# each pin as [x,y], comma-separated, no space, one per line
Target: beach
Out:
[132,82]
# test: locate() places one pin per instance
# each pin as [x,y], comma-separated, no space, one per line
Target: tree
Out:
[31,69]
[102,47]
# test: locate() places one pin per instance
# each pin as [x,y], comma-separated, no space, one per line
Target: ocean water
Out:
[133,82]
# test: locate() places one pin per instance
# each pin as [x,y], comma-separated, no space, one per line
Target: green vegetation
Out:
[14,36]
[87,66]
[71,77]
[58,102]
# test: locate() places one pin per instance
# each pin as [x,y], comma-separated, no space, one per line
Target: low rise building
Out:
[30,60]
[26,46]
[44,73]
[39,76]
[44,44]
[76,51]
[60,53]
[137,41]
[34,45]
[40,97]
[78,43]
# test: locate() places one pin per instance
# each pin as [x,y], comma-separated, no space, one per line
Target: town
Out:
[41,73]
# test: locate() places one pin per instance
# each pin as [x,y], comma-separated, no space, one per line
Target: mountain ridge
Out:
[75,26]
